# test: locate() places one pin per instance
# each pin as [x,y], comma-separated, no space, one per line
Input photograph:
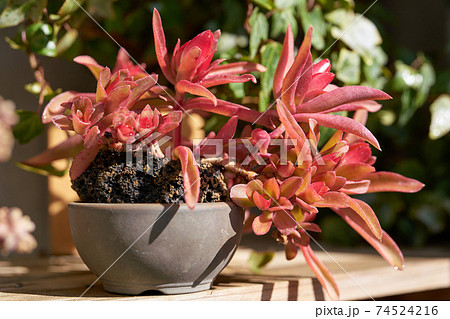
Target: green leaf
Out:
[3,4]
[66,41]
[270,54]
[18,11]
[348,69]
[258,260]
[45,170]
[266,4]
[316,19]
[355,30]
[260,31]
[280,22]
[29,126]
[428,79]
[69,6]
[284,4]
[40,38]
[237,89]
[440,117]
[35,88]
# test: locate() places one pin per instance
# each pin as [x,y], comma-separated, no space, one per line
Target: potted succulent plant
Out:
[156,210]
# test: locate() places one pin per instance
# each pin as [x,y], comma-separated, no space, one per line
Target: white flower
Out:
[15,231]
[8,118]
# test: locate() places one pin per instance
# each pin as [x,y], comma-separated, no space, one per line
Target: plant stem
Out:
[232,167]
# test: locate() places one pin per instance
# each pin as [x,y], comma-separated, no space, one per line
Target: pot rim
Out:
[125,205]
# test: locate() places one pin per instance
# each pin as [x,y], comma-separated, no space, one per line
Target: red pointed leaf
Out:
[339,96]
[323,274]
[304,81]
[82,161]
[261,201]
[354,171]
[320,80]
[333,199]
[290,186]
[285,62]
[340,123]
[116,98]
[184,86]
[392,182]
[355,187]
[367,214]
[160,46]
[386,247]
[226,78]
[237,68]
[191,175]
[90,63]
[294,131]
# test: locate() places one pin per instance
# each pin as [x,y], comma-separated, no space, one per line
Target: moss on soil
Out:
[157,180]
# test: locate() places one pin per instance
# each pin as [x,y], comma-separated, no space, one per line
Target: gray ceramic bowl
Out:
[166,247]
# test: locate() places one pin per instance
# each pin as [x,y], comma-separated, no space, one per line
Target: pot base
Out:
[173,289]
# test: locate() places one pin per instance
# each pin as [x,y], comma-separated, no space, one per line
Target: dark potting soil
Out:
[150,180]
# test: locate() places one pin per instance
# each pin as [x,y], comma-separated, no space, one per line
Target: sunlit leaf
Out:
[348,67]
[270,54]
[29,126]
[260,31]
[258,260]
[440,117]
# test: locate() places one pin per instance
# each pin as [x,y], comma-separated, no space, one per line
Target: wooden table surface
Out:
[365,276]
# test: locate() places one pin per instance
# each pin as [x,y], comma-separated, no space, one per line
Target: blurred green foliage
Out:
[413,135]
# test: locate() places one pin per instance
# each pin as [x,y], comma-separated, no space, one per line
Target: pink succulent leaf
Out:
[116,98]
[339,96]
[323,274]
[62,122]
[290,186]
[160,47]
[236,68]
[200,75]
[102,83]
[296,72]
[386,247]
[359,116]
[92,137]
[294,131]
[262,223]
[310,227]
[54,107]
[310,196]
[184,86]
[392,182]
[339,183]
[366,213]
[189,64]
[332,141]
[340,123]
[254,186]
[304,80]
[170,122]
[285,171]
[320,80]
[239,196]
[261,201]
[355,187]
[225,79]
[323,66]
[142,86]
[90,63]
[370,106]
[123,62]
[290,250]
[357,153]
[259,135]
[285,62]
[70,147]
[305,206]
[272,188]
[228,130]
[333,199]
[281,204]
[191,175]
[354,171]
[229,109]
[82,161]
[284,222]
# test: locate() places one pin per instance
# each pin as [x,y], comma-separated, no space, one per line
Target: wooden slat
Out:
[362,276]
